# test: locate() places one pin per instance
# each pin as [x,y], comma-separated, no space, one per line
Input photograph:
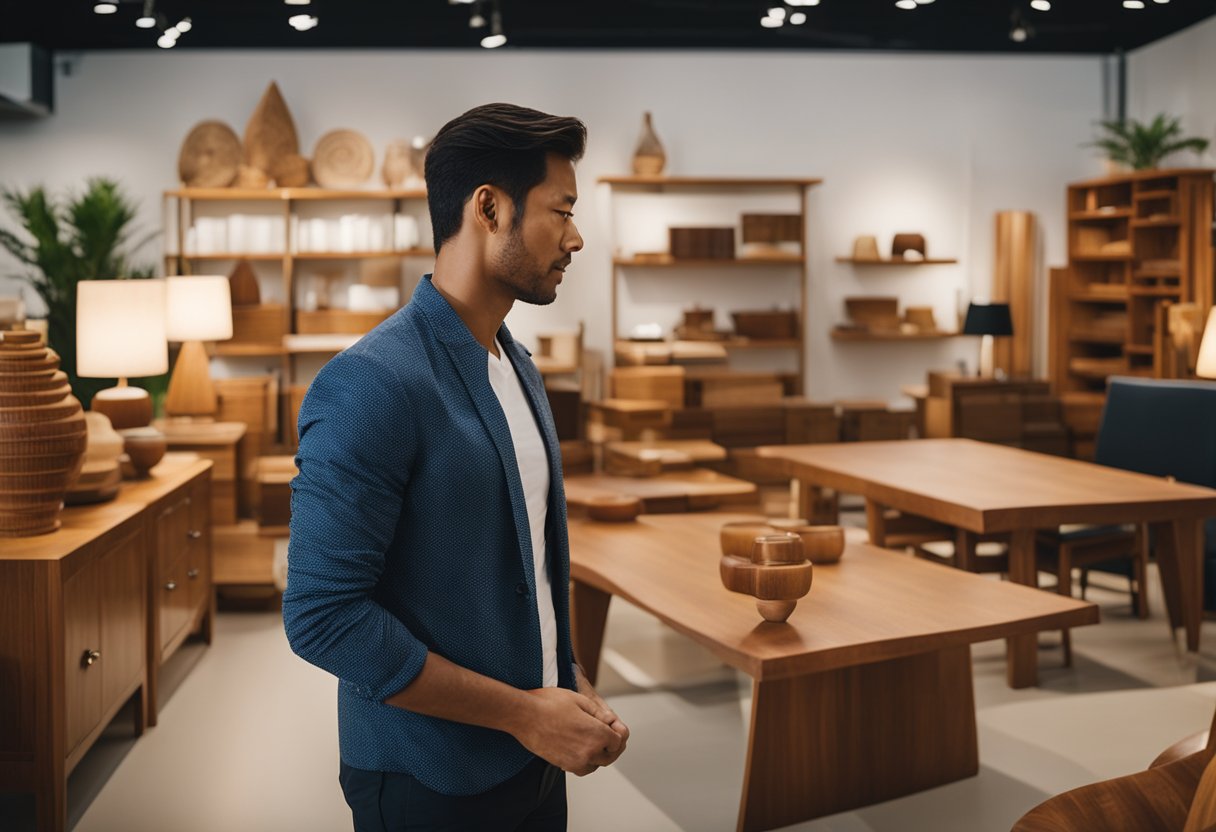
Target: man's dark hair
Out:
[494,144]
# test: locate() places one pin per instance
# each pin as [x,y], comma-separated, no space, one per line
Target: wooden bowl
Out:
[739,539]
[145,447]
[616,508]
[821,544]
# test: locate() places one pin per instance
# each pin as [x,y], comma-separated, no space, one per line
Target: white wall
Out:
[1174,76]
[904,142]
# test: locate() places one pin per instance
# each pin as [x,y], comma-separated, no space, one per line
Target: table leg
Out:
[964,549]
[820,506]
[588,614]
[1180,561]
[1022,652]
[833,741]
[876,523]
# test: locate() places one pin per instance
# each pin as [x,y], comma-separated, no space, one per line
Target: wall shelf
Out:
[864,335]
[291,194]
[709,182]
[702,263]
[943,261]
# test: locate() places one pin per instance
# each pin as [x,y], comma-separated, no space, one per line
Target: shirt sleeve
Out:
[356,446]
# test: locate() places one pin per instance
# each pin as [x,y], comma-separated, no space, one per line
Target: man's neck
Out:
[479,301]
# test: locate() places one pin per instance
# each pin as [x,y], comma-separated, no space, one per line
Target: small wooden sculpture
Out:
[777,574]
[865,248]
[397,167]
[144,448]
[614,508]
[820,544]
[243,285]
[291,171]
[210,156]
[649,158]
[270,135]
[903,243]
[343,159]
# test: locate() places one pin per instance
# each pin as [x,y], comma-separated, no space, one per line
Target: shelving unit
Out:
[893,262]
[864,335]
[775,262]
[1135,242]
[184,206]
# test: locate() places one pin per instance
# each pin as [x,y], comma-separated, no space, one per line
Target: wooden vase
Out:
[649,159]
[42,436]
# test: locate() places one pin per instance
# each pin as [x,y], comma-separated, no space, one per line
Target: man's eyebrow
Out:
[570,199]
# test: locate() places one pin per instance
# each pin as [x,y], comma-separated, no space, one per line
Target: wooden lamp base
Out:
[191,392]
[126,407]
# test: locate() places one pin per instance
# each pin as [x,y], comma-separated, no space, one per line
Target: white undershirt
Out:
[533,465]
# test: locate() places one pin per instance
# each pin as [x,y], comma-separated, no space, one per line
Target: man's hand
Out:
[569,730]
[607,714]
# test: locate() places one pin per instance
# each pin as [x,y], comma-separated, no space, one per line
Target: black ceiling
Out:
[1071,26]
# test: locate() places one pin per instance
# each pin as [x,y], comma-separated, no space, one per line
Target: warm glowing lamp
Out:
[1205,365]
[988,320]
[120,333]
[199,309]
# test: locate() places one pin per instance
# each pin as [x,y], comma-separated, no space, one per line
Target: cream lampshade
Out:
[120,333]
[199,308]
[1205,365]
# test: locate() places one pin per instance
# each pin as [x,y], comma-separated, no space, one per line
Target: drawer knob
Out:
[193,573]
[172,585]
[194,534]
[89,657]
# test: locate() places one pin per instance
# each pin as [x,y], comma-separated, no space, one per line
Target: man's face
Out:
[534,255]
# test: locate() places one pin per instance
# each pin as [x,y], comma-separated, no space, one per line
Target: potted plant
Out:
[1141,146]
[85,237]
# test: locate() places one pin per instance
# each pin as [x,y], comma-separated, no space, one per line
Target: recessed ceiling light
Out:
[798,18]
[771,22]
[105,8]
[1133,4]
[905,4]
[302,22]
[1041,5]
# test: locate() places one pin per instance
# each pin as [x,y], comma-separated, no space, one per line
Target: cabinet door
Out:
[198,547]
[122,582]
[83,654]
[171,593]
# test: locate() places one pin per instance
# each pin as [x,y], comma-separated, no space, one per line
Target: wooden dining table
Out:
[982,488]
[863,695]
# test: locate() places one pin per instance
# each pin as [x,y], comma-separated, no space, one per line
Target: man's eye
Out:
[567,214]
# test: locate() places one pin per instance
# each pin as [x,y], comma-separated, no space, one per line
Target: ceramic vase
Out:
[649,159]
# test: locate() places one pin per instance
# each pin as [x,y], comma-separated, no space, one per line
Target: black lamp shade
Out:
[988,319]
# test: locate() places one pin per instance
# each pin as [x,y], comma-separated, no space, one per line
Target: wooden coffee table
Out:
[982,488]
[864,695]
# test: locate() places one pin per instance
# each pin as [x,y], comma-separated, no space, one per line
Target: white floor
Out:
[247,738]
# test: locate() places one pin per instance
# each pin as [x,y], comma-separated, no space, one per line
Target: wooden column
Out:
[1013,281]
[1022,652]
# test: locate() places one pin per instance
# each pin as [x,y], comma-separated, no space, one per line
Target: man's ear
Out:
[486,208]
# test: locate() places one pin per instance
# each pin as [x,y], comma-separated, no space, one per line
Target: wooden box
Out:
[747,427]
[727,393]
[765,325]
[882,425]
[772,228]
[665,383]
[877,314]
[702,243]
[338,321]
[262,324]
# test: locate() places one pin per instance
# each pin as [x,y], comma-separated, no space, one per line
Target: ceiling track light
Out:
[1041,5]
[297,2]
[1020,31]
[147,20]
[477,20]
[1133,4]
[802,2]
[496,38]
[105,8]
[797,18]
[906,5]
[303,22]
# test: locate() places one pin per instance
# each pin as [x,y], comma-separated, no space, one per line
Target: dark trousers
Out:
[383,801]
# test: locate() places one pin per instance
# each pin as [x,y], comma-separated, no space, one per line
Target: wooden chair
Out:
[1177,793]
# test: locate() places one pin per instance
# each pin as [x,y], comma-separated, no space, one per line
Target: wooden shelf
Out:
[1138,349]
[689,262]
[361,255]
[1139,175]
[1095,257]
[1099,297]
[862,335]
[1096,337]
[661,182]
[292,194]
[1155,291]
[898,262]
[760,343]
[1160,222]
[230,255]
[1116,214]
[247,350]
[1146,195]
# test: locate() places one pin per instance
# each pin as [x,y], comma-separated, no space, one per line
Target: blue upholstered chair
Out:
[1166,428]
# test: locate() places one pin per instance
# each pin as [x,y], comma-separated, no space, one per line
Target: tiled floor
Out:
[247,739]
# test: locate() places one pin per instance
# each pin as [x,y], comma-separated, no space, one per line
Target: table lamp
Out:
[988,320]
[1205,365]
[199,308]
[120,333]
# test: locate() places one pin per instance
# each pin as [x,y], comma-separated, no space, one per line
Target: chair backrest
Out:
[1162,427]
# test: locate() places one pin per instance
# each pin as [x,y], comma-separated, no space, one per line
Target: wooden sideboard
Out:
[87,616]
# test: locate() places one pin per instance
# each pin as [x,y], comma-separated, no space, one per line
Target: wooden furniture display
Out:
[1013,282]
[863,695]
[264,330]
[86,618]
[1017,412]
[674,491]
[636,264]
[980,488]
[1135,241]
[218,442]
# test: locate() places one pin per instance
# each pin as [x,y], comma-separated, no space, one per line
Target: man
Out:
[429,563]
